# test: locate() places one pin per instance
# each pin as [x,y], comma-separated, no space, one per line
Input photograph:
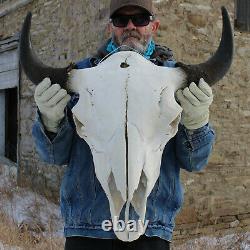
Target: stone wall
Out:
[61,33]
[216,199]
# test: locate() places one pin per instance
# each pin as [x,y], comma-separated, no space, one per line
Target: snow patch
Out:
[27,208]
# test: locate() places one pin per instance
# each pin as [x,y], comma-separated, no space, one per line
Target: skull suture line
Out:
[127,112]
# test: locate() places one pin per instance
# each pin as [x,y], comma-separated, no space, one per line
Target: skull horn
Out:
[218,65]
[33,67]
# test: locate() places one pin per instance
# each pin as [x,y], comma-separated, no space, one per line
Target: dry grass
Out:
[238,241]
[25,237]
[35,233]
[31,234]
[30,237]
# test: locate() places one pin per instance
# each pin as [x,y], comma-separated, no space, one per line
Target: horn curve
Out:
[32,66]
[217,66]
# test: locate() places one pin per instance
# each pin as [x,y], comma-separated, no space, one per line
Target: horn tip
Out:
[29,14]
[224,10]
[28,17]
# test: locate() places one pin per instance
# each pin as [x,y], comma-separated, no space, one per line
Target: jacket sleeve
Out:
[193,147]
[54,149]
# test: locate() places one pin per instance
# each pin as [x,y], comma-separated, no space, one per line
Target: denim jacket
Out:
[84,204]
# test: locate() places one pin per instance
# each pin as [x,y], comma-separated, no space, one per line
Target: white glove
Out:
[51,101]
[195,101]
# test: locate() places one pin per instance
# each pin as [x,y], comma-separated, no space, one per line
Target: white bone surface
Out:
[127,115]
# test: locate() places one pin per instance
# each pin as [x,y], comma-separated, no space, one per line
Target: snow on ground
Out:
[42,216]
[6,247]
[27,208]
[228,242]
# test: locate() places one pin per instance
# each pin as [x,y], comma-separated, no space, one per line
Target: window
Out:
[242,15]
[9,81]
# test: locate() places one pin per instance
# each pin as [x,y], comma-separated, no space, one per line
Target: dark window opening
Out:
[11,99]
[242,15]
[9,94]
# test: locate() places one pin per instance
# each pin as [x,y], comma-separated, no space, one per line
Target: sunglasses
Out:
[139,20]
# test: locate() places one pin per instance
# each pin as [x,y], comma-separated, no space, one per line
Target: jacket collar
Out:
[158,55]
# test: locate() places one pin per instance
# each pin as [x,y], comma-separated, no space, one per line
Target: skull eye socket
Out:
[174,124]
[80,127]
[77,122]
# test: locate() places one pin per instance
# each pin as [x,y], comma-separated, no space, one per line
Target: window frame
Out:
[242,15]
[10,45]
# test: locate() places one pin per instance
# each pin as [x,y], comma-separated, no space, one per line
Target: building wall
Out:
[61,33]
[216,198]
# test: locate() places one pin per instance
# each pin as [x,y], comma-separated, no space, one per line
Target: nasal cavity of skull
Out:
[79,125]
[115,193]
[175,122]
[139,196]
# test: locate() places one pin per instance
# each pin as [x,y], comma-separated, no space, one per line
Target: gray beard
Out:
[134,46]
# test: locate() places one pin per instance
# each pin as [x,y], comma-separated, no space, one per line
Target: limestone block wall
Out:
[216,199]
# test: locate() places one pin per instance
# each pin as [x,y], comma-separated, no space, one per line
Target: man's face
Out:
[133,36]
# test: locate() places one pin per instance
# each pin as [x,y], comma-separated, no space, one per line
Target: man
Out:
[84,204]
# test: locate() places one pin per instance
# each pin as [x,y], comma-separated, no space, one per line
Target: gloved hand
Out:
[195,101]
[51,101]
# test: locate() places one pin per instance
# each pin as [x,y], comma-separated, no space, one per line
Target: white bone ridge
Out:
[127,115]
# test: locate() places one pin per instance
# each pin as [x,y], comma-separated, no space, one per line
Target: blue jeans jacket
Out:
[84,204]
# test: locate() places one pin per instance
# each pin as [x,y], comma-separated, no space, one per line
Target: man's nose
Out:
[130,25]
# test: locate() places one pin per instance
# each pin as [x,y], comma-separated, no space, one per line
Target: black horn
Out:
[32,66]
[217,66]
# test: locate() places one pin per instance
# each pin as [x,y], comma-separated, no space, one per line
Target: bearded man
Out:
[84,204]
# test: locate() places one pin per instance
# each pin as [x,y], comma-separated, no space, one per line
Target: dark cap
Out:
[118,4]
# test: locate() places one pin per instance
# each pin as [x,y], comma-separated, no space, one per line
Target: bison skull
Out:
[127,115]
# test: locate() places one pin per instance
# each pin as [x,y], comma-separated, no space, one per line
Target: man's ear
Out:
[109,28]
[155,25]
